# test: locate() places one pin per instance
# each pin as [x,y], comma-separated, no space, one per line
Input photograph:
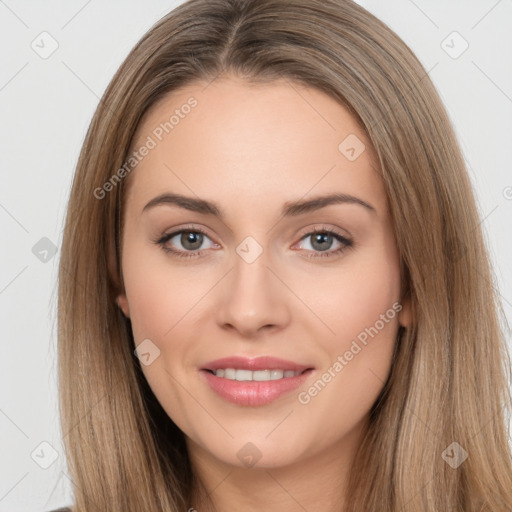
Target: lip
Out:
[254,393]
[258,363]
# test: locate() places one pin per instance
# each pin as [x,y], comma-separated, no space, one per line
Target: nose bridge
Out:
[251,297]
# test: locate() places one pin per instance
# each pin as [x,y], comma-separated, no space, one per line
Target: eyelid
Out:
[164,238]
[323,228]
[345,240]
[175,231]
[315,228]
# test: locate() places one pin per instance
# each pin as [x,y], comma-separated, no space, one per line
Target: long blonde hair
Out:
[450,377]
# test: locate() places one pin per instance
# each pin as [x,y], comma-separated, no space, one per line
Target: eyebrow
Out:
[290,208]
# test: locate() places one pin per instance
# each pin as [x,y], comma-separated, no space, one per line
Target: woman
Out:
[330,340]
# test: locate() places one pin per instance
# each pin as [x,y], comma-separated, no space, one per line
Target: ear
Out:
[405,314]
[122,302]
[115,275]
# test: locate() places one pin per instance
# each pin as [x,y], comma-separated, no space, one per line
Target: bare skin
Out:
[251,149]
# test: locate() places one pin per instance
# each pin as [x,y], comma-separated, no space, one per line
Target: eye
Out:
[322,239]
[191,241]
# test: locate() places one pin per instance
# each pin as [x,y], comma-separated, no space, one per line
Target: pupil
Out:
[192,238]
[322,237]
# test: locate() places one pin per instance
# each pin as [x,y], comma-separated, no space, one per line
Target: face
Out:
[228,251]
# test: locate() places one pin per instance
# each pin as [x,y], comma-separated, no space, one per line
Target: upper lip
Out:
[257,363]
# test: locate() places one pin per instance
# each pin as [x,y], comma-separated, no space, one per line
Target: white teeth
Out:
[261,375]
[257,375]
[243,375]
[229,373]
[276,374]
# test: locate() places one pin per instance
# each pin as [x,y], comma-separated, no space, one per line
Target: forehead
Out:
[232,139]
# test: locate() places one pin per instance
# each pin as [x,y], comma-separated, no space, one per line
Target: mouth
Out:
[254,382]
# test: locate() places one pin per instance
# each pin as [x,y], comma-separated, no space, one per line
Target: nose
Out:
[252,299]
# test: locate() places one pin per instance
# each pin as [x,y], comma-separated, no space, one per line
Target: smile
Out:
[257,375]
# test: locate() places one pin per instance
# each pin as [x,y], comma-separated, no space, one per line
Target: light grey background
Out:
[45,107]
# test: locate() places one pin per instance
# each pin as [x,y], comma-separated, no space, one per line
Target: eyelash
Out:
[316,254]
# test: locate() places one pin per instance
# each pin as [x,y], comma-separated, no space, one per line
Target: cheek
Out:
[166,301]
[362,310]
[161,301]
[353,296]
[159,293]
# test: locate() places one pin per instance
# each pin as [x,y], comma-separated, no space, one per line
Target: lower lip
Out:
[253,393]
